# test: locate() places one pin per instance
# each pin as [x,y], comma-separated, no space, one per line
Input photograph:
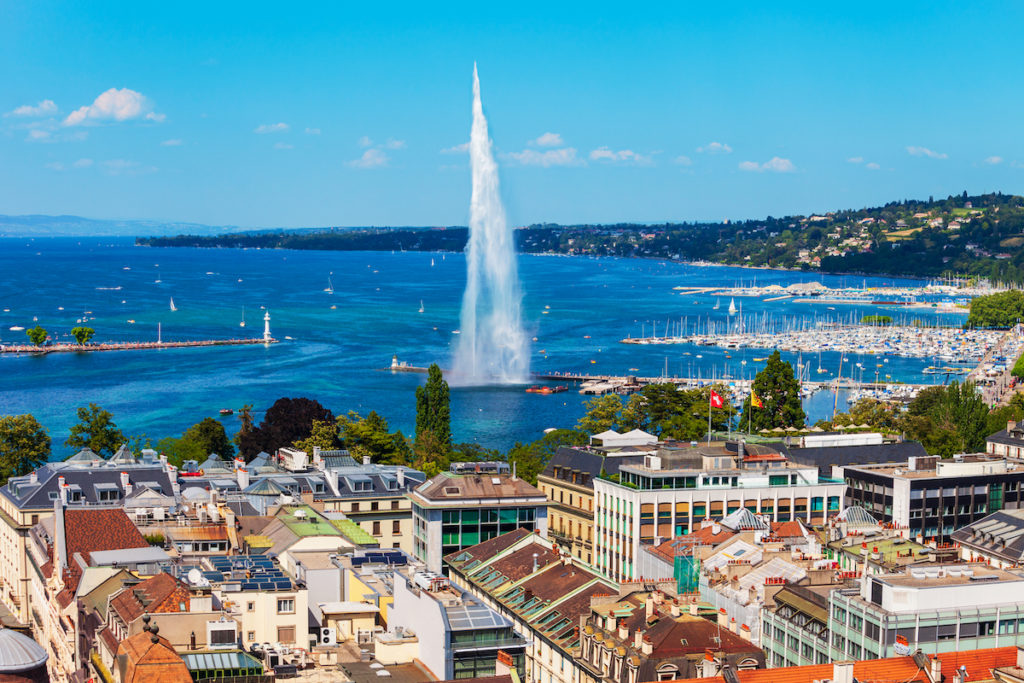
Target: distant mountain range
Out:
[76,226]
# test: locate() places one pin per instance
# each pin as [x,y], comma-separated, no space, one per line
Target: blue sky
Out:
[353,113]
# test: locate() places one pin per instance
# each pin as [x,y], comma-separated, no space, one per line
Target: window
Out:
[376,528]
[986,628]
[250,606]
[374,506]
[394,505]
[396,527]
[250,636]
[286,634]
[286,606]
[355,506]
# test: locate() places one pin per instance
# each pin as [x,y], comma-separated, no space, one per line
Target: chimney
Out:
[842,672]
[1010,424]
[316,456]
[675,608]
[126,484]
[733,626]
[400,477]
[242,474]
[740,450]
[649,607]
[623,630]
[366,460]
[693,609]
[638,638]
[33,478]
[935,670]
[62,489]
[646,646]
[709,666]
[723,618]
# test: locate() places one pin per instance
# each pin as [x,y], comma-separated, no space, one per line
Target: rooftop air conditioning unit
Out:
[328,636]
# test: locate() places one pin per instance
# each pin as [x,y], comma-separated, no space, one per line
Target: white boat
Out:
[715,307]
[431,263]
[242,324]
[173,307]
[732,307]
[330,285]
[17,328]
[421,305]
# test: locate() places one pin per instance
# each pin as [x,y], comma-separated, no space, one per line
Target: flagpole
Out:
[710,392]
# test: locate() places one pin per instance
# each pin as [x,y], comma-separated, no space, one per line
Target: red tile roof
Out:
[87,531]
[787,529]
[159,593]
[979,665]
[683,545]
[147,661]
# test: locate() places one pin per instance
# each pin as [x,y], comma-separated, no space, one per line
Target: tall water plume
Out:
[493,347]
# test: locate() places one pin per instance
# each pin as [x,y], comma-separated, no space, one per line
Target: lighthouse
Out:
[266,328]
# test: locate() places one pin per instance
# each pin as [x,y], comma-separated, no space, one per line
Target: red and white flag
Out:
[716,399]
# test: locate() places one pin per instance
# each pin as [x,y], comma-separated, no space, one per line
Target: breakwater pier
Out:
[27,349]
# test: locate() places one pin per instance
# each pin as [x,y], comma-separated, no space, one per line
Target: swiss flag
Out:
[716,399]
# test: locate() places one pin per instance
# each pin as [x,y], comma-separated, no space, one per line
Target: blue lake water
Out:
[577,308]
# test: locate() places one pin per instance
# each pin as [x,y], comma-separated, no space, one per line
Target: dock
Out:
[11,349]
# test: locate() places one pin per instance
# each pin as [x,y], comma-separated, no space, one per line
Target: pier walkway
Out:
[127,346]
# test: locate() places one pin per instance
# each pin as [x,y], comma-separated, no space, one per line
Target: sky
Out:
[354,114]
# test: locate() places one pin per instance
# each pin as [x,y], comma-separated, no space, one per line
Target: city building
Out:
[932,497]
[1008,442]
[459,636]
[835,449]
[148,656]
[568,482]
[646,635]
[941,608]
[795,631]
[997,539]
[22,660]
[544,591]
[473,502]
[671,493]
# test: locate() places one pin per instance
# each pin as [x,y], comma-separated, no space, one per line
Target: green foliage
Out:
[156,538]
[876,320]
[602,414]
[531,459]
[879,415]
[209,437]
[433,410]
[779,391]
[179,449]
[287,421]
[949,419]
[669,412]
[24,446]
[82,335]
[95,429]
[1001,310]
[323,434]
[370,436]
[429,454]
[37,335]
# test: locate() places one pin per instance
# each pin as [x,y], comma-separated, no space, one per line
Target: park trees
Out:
[82,334]
[37,335]
[95,430]
[433,409]
[24,445]
[602,414]
[287,421]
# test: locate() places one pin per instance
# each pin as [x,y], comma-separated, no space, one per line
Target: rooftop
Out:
[496,489]
[949,575]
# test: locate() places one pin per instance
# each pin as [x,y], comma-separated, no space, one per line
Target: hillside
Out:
[978,236]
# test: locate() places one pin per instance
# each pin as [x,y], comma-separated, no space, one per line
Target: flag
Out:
[755,400]
[715,400]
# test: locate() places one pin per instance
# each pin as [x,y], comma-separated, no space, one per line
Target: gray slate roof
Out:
[1000,534]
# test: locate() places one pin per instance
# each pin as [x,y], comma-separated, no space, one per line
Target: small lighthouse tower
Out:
[266,328]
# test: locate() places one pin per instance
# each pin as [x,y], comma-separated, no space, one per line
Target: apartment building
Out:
[671,493]
[933,497]
[940,608]
[473,502]
[997,539]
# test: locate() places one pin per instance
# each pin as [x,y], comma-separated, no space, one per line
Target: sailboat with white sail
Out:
[242,324]
[732,307]
[330,285]
[716,306]
[421,305]
[173,307]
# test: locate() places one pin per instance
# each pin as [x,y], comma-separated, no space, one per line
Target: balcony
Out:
[492,644]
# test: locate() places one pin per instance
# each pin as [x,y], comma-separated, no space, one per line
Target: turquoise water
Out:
[578,309]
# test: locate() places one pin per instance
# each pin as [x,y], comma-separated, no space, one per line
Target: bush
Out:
[156,538]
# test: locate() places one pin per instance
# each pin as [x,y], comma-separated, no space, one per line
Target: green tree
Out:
[779,392]
[602,414]
[244,438]
[82,335]
[429,455]
[473,452]
[1000,310]
[323,434]
[179,449]
[209,437]
[948,419]
[287,421]
[95,430]
[37,335]
[877,414]
[24,446]
[670,412]
[433,410]
[531,459]
[370,436]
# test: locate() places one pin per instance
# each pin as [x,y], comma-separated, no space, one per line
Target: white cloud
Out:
[371,158]
[283,145]
[55,166]
[872,166]
[925,152]
[173,142]
[992,161]
[548,140]
[82,163]
[456,149]
[265,128]
[38,135]
[394,144]
[773,165]
[623,155]
[365,141]
[715,148]
[856,160]
[126,167]
[44,108]
[115,104]
[551,157]
[312,131]
[683,160]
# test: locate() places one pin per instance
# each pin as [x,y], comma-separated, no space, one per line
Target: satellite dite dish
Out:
[196,578]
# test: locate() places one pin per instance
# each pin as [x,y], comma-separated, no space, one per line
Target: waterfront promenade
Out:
[29,349]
